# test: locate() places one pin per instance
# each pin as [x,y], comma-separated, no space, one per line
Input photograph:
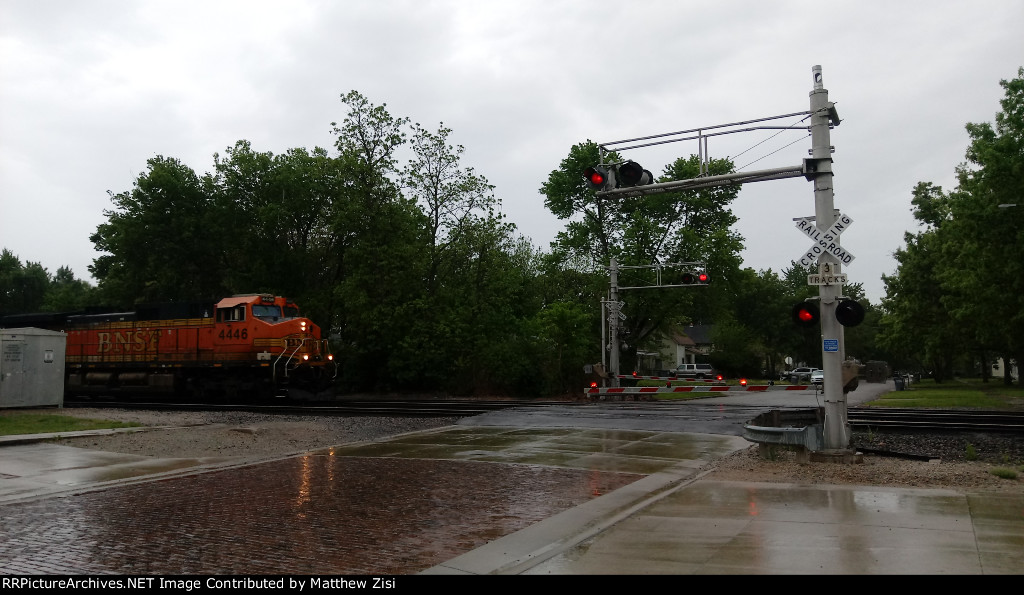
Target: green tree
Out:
[276,210]
[984,276]
[378,243]
[959,282]
[68,294]
[22,287]
[161,242]
[762,305]
[451,196]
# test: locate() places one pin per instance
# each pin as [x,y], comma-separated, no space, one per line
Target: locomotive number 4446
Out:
[238,334]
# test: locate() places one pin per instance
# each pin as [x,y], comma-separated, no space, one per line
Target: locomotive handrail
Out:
[291,356]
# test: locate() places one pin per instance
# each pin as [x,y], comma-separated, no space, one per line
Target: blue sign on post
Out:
[831,345]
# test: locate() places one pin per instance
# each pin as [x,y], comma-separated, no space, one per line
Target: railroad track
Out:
[411,407]
[947,420]
[950,420]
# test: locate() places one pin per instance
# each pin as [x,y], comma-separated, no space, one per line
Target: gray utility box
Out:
[31,367]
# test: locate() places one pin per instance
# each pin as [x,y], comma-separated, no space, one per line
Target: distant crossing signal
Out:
[624,175]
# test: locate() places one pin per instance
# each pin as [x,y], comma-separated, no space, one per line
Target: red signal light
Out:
[593,385]
[702,277]
[743,381]
[805,314]
[599,178]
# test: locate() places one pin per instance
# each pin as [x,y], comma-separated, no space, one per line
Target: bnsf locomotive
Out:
[245,347]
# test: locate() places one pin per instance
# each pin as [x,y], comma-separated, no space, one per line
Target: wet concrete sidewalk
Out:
[482,499]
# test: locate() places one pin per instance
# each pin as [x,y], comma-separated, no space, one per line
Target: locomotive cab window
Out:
[264,312]
[235,314]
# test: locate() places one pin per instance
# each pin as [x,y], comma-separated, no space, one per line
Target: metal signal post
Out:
[612,307]
[823,117]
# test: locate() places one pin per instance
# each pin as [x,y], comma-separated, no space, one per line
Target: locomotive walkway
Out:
[489,495]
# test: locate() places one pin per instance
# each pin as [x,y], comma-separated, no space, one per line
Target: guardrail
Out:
[802,428]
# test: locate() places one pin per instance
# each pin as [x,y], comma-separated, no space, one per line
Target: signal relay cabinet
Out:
[31,367]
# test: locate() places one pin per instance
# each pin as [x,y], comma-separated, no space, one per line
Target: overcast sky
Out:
[91,89]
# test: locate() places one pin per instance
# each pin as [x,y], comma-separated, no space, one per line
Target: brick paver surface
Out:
[314,514]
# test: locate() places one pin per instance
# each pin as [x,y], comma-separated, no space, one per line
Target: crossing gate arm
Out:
[636,390]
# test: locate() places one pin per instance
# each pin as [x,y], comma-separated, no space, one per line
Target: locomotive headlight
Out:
[330,357]
[305,358]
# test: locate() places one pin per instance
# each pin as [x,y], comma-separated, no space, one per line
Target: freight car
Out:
[245,347]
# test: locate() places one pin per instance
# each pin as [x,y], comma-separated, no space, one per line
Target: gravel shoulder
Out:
[954,465]
[238,434]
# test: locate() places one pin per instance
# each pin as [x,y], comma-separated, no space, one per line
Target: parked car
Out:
[818,377]
[798,375]
[695,371]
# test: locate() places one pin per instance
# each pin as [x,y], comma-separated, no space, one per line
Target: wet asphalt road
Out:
[724,415]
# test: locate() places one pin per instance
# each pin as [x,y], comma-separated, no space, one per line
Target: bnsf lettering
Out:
[127,342]
[238,334]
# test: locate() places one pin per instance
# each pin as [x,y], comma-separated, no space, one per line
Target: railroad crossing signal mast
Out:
[611,180]
[833,350]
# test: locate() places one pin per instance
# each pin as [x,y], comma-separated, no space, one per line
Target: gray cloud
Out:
[90,91]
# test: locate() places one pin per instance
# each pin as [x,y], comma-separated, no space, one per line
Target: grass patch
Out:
[1004,473]
[30,422]
[955,394]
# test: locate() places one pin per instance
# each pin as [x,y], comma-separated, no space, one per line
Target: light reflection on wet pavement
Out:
[389,507]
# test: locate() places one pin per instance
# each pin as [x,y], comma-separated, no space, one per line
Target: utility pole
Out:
[823,113]
[614,310]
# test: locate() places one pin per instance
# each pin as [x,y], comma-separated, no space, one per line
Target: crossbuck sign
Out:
[826,246]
